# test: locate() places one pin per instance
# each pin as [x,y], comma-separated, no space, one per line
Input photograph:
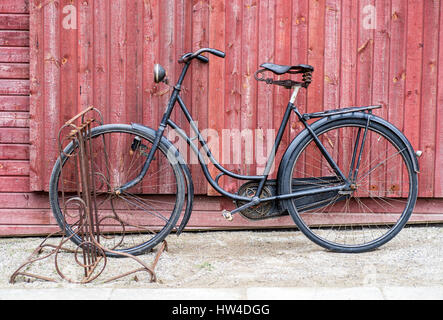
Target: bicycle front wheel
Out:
[139,218]
[380,199]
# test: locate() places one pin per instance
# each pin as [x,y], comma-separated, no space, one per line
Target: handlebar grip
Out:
[218,53]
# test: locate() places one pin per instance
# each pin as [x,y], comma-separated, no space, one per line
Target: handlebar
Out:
[197,54]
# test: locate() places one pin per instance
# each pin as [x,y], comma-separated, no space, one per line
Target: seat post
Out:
[295,93]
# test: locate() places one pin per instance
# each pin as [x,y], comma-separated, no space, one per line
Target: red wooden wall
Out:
[365,52]
[106,60]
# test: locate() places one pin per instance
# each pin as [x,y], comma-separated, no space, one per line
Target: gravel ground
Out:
[251,258]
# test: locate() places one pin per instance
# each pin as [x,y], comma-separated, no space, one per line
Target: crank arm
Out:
[228,214]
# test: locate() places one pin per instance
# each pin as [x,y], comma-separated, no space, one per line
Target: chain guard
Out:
[273,209]
[265,210]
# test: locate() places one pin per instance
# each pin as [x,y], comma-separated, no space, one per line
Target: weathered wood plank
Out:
[14,119]
[14,70]
[316,58]
[85,90]
[231,157]
[14,152]
[133,62]
[332,55]
[299,50]
[348,71]
[331,95]
[438,184]
[25,216]
[14,103]
[29,214]
[210,221]
[248,111]
[429,98]
[14,87]
[14,22]
[397,79]
[168,60]
[27,230]
[101,67]
[14,54]
[316,49]
[42,230]
[365,63]
[202,203]
[14,168]
[14,184]
[199,89]
[217,79]
[265,134]
[282,55]
[51,117]
[37,105]
[414,66]
[35,200]
[380,76]
[14,6]
[69,69]
[14,38]
[24,200]
[414,72]
[14,135]
[151,90]
[183,43]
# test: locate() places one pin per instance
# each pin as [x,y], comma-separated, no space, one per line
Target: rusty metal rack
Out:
[90,255]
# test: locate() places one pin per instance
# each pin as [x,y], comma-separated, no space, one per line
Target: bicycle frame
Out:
[261,179]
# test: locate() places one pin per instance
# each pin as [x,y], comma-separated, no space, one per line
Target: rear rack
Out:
[328,113]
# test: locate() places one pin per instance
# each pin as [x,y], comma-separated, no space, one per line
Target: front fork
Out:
[150,157]
[158,136]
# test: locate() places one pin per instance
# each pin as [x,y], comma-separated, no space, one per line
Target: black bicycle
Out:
[349,180]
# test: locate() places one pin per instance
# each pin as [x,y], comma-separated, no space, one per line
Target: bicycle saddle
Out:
[280,69]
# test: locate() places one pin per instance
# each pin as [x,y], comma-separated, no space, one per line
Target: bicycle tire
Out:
[307,216]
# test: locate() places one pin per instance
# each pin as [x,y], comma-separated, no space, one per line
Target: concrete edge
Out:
[252,293]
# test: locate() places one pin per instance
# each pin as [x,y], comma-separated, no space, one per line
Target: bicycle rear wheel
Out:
[382,195]
[139,218]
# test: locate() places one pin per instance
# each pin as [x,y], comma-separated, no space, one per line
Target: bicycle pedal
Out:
[227,215]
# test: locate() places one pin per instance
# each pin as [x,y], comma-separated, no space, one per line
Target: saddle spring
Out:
[288,84]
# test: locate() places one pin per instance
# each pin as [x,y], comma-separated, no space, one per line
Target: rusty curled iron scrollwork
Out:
[89,255]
